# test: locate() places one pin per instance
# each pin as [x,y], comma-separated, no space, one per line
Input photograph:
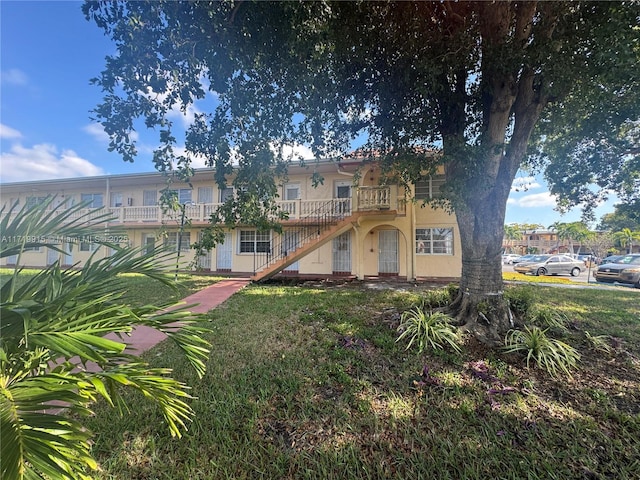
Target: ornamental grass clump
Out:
[427,330]
[548,318]
[600,343]
[548,353]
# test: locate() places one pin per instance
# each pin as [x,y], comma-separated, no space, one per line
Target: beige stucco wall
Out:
[364,235]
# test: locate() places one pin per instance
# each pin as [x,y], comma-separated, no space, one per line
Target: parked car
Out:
[523,258]
[510,258]
[551,265]
[611,259]
[625,269]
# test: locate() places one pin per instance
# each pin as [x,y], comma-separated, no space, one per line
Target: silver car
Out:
[551,265]
[625,269]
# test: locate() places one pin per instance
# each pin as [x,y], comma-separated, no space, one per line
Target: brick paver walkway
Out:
[143,338]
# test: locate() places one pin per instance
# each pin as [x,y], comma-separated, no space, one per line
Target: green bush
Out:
[440,297]
[427,330]
[520,298]
[548,317]
[548,353]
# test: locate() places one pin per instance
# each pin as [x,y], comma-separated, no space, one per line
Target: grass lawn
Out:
[308,382]
[141,289]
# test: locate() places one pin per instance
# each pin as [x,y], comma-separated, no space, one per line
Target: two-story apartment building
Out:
[535,241]
[349,225]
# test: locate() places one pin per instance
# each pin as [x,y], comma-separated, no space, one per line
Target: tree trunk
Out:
[480,307]
[511,102]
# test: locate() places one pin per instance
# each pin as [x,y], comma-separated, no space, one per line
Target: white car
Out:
[508,258]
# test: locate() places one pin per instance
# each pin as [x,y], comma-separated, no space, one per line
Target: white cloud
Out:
[96,131]
[43,162]
[187,117]
[522,184]
[297,151]
[8,132]
[197,161]
[544,199]
[13,76]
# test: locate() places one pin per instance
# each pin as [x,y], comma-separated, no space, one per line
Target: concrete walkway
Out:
[143,338]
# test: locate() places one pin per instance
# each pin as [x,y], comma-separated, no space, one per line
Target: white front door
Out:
[149,243]
[52,256]
[343,194]
[224,253]
[289,245]
[342,254]
[68,258]
[204,260]
[388,252]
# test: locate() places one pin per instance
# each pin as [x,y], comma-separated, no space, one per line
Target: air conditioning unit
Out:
[130,201]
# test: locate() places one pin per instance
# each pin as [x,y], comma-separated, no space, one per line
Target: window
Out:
[429,188]
[184,196]
[292,191]
[171,241]
[33,201]
[434,241]
[116,200]
[225,194]
[149,198]
[205,195]
[88,246]
[95,199]
[255,242]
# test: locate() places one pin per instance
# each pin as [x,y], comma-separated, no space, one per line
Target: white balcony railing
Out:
[364,199]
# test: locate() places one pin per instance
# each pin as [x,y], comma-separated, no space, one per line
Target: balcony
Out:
[364,199]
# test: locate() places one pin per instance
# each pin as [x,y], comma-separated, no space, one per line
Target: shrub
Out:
[520,298]
[600,343]
[431,330]
[548,317]
[548,353]
[440,297]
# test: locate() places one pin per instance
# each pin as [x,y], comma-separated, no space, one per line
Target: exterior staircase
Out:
[328,221]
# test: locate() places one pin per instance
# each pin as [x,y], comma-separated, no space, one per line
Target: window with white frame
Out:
[33,201]
[172,239]
[96,200]
[225,194]
[292,191]
[116,200]
[149,198]
[252,241]
[205,195]
[434,241]
[429,187]
[184,196]
[88,246]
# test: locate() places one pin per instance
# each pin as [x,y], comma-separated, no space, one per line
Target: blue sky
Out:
[49,52]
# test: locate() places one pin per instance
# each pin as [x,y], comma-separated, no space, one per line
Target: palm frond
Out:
[57,322]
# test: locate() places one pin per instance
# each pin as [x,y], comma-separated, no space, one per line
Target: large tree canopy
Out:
[493,86]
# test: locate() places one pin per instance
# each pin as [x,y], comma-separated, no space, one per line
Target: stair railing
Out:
[305,230]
